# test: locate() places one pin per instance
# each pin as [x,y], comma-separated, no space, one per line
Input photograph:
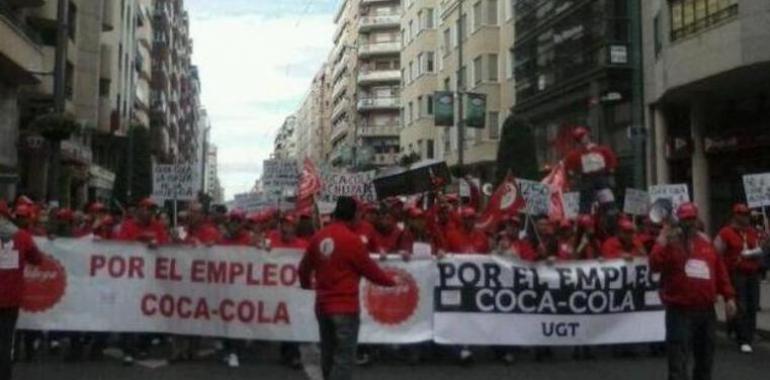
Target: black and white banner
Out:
[489,300]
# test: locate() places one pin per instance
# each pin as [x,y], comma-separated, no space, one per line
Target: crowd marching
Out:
[447,223]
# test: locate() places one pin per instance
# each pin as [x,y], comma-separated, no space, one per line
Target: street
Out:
[262,364]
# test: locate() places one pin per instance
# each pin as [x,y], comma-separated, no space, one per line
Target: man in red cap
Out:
[625,245]
[15,254]
[592,166]
[739,244]
[335,262]
[467,239]
[144,226]
[510,242]
[286,234]
[691,277]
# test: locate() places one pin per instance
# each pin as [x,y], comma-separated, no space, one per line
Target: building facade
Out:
[365,90]
[573,66]
[707,81]
[432,31]
[212,185]
[285,144]
[312,122]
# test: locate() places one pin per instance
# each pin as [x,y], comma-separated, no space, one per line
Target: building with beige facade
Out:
[430,61]
[312,121]
[365,84]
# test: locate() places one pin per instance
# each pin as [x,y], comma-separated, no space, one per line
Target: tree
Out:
[516,152]
[134,176]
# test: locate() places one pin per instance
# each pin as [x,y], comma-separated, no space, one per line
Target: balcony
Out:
[18,51]
[338,131]
[378,131]
[379,76]
[338,87]
[367,23]
[379,103]
[380,48]
[340,67]
[74,151]
[44,16]
[339,108]
[108,16]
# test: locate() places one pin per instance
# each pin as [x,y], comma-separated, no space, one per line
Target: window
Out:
[429,18]
[493,125]
[511,64]
[429,149]
[464,76]
[492,73]
[429,104]
[477,70]
[411,30]
[419,107]
[426,62]
[72,21]
[464,26]
[477,16]
[692,16]
[492,12]
[658,37]
[410,115]
[447,41]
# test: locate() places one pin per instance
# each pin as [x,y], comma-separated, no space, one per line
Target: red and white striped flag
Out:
[309,185]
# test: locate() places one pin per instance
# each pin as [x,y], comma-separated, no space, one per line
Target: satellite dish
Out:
[661,210]
[487,189]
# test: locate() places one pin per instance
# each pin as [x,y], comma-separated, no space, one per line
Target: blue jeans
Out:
[339,338]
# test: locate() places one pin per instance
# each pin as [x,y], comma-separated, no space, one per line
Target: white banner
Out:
[496,301]
[170,182]
[757,188]
[240,292]
[235,292]
[338,184]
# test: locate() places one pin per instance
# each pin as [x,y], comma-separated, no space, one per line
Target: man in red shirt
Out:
[626,245]
[467,239]
[739,245]
[691,277]
[593,167]
[144,226]
[15,254]
[286,234]
[336,259]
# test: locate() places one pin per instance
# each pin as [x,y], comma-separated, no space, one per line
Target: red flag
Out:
[556,180]
[506,201]
[309,185]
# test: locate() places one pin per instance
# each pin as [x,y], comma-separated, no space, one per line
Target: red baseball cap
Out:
[23,211]
[96,207]
[687,211]
[741,209]
[289,218]
[586,221]
[65,214]
[625,224]
[579,132]
[415,213]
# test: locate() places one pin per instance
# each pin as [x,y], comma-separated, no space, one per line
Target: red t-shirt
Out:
[462,241]
[206,233]
[241,238]
[386,242]
[613,248]
[337,258]
[15,255]
[595,159]
[524,250]
[691,280]
[130,230]
[731,241]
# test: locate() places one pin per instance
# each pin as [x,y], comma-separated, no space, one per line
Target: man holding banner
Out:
[338,259]
[692,275]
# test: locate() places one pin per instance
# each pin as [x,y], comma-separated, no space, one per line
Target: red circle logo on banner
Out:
[392,306]
[44,285]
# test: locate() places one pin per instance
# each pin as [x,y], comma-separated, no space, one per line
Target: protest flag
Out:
[506,201]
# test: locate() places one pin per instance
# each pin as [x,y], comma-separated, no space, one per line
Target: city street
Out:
[263,365]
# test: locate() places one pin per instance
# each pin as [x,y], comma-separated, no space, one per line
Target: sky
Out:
[256,60]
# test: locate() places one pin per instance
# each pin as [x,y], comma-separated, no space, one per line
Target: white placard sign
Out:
[637,202]
[537,196]
[678,194]
[179,182]
[757,188]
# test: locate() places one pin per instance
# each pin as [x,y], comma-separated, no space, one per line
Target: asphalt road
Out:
[261,363]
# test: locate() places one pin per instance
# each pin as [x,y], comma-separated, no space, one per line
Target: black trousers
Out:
[589,187]
[339,338]
[8,317]
[690,334]
[747,298]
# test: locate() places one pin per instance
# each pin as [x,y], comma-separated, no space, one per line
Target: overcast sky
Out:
[256,60]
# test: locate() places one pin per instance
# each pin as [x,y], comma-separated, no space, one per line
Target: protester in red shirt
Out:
[626,245]
[15,254]
[691,277]
[387,236]
[237,230]
[467,239]
[587,245]
[739,245]
[337,259]
[286,235]
[416,232]
[144,227]
[592,167]
[200,228]
[510,242]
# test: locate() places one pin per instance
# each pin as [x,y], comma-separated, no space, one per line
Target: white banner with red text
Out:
[234,292]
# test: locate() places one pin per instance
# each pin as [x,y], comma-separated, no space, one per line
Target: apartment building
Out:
[212,185]
[175,84]
[22,56]
[707,97]
[365,84]
[312,123]
[285,144]
[485,30]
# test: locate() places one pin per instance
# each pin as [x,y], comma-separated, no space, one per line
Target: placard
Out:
[636,202]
